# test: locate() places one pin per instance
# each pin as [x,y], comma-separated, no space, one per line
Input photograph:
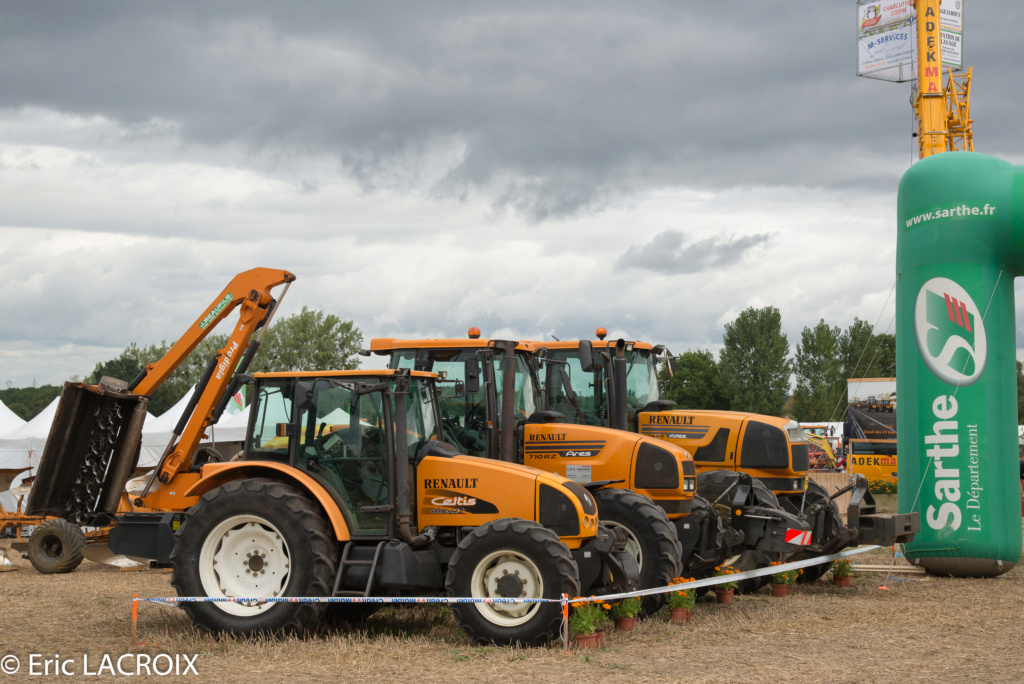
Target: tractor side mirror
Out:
[586,356]
[671,363]
[472,376]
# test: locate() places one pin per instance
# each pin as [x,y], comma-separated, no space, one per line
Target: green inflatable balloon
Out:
[959,246]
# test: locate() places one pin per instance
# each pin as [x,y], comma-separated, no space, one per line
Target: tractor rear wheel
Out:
[650,539]
[511,558]
[254,538]
[55,547]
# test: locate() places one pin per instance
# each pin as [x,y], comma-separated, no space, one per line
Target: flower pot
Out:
[780,590]
[679,616]
[841,581]
[586,640]
[625,623]
[724,595]
[600,637]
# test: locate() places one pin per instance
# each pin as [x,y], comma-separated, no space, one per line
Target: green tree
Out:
[820,381]
[867,355]
[27,402]
[309,340]
[695,383]
[134,358]
[753,368]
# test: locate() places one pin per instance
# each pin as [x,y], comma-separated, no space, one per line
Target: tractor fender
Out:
[215,474]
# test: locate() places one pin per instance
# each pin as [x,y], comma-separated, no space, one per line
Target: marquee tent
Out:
[156,433]
[9,420]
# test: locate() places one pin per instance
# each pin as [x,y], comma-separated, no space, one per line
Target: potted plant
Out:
[625,611]
[680,602]
[841,571]
[586,617]
[724,591]
[782,582]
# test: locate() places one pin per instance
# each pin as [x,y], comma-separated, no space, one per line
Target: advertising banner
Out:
[960,243]
[887,38]
[875,459]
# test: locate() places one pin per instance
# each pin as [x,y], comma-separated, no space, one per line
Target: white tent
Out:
[9,420]
[156,433]
[22,447]
[230,428]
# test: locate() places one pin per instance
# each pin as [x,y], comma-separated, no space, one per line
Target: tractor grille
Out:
[765,446]
[557,512]
[656,468]
[801,457]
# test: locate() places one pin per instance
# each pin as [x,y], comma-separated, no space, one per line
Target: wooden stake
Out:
[565,621]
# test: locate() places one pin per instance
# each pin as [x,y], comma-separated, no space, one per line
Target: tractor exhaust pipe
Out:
[403,382]
[619,406]
[508,404]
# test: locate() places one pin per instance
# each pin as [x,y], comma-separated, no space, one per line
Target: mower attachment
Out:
[91,451]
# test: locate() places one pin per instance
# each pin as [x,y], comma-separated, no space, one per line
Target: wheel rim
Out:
[633,547]
[507,574]
[52,547]
[244,556]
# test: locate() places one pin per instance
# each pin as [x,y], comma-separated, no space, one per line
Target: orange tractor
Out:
[615,382]
[343,489]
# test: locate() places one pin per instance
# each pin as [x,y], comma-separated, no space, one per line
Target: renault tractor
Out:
[343,489]
[492,409]
[615,383]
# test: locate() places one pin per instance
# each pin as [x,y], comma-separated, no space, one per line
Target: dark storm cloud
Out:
[671,252]
[557,107]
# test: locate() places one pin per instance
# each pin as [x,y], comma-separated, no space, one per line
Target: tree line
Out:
[753,370]
[306,340]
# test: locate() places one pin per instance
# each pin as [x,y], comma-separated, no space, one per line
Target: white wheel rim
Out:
[497,573]
[244,557]
[633,547]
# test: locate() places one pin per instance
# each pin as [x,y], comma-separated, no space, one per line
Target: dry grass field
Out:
[924,629]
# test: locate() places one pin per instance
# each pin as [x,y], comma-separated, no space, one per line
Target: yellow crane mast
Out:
[942,112]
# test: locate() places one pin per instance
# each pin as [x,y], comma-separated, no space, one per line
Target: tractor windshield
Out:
[340,431]
[585,404]
[641,379]
[465,414]
[589,406]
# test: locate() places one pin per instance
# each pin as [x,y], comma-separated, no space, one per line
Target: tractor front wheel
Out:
[650,539]
[505,559]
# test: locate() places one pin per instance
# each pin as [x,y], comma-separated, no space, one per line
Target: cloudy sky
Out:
[531,168]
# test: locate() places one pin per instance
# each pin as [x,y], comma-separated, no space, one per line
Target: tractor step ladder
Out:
[347,562]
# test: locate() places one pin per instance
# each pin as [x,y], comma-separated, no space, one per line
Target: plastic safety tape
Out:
[696,584]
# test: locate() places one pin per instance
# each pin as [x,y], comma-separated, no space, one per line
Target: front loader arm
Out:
[250,293]
[94,442]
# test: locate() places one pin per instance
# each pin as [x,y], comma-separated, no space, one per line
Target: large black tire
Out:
[817,494]
[507,558]
[55,547]
[651,539]
[254,538]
